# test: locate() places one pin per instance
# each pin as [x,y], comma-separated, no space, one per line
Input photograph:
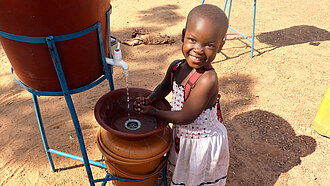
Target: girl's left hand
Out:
[144,109]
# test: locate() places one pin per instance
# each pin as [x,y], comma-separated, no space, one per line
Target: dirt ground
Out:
[269,102]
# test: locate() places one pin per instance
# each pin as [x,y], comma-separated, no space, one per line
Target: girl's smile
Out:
[196,60]
[201,42]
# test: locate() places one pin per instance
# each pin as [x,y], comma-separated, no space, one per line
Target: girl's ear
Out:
[183,34]
[221,45]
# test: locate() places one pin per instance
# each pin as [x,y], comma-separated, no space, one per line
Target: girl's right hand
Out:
[141,101]
[142,106]
[145,109]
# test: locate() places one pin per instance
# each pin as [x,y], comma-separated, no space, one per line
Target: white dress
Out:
[201,156]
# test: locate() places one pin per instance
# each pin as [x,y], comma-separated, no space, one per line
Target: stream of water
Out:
[128,111]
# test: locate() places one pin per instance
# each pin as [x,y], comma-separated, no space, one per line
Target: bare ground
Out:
[269,102]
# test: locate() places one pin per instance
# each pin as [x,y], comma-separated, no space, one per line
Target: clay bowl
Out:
[111,112]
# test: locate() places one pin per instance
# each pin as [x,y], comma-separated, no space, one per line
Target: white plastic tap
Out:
[117,60]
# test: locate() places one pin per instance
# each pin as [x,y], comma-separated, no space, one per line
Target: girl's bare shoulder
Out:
[209,77]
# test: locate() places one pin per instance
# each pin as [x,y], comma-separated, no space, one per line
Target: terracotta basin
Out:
[139,150]
[111,112]
[137,157]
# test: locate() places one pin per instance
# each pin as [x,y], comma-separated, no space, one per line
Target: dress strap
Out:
[219,109]
[192,80]
[176,66]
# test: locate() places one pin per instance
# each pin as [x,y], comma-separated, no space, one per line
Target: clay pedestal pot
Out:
[134,153]
[135,156]
[80,57]
[135,159]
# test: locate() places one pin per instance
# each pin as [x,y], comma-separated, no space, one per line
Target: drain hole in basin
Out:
[132,124]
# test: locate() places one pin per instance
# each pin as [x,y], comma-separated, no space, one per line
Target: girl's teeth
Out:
[196,58]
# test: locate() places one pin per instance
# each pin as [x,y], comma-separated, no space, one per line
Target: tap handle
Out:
[118,45]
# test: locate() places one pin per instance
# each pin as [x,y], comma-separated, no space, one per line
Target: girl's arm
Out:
[203,95]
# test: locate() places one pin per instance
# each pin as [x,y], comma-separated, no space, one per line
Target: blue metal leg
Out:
[164,175]
[54,54]
[105,182]
[229,10]
[42,131]
[108,68]
[225,6]
[253,28]
[79,136]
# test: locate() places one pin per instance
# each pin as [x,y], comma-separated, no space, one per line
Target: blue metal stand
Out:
[66,92]
[237,32]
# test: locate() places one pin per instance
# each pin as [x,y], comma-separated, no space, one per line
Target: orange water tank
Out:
[80,57]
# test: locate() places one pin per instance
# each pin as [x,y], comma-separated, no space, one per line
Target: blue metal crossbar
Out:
[236,32]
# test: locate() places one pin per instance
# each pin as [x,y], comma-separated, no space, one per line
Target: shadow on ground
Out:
[294,35]
[262,144]
[160,17]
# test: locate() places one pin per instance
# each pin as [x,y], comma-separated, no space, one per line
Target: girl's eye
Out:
[191,39]
[210,45]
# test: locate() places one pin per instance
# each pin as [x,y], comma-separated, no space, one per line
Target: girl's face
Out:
[201,42]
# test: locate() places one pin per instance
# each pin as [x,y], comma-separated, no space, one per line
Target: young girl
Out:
[200,153]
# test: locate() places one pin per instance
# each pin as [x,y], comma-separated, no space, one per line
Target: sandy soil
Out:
[269,102]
